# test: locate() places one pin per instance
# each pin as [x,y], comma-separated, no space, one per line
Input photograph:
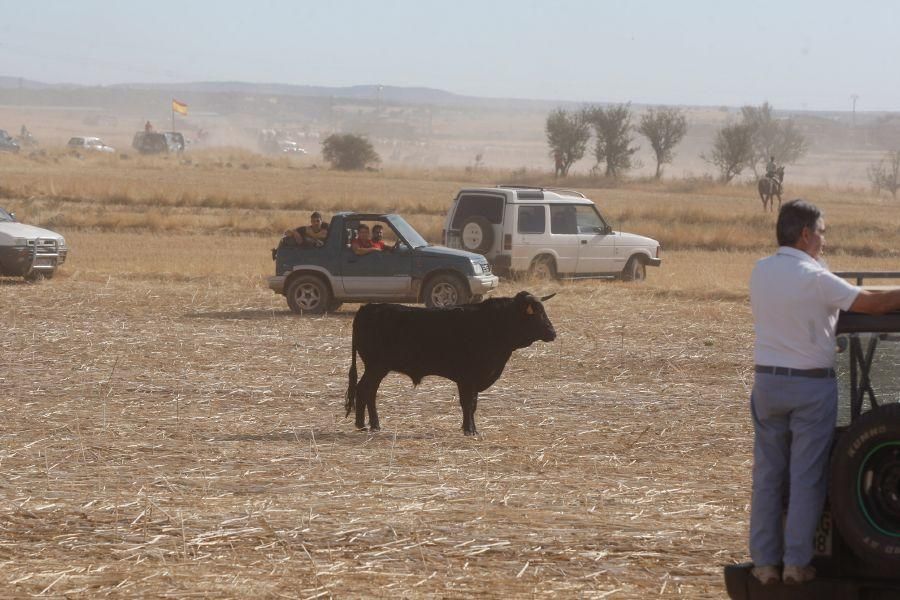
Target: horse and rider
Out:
[770,186]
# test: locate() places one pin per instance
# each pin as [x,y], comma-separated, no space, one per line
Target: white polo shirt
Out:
[795,301]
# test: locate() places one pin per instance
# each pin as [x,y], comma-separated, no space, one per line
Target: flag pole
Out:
[173,115]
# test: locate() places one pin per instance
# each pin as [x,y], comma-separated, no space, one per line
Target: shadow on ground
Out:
[306,435]
[255,314]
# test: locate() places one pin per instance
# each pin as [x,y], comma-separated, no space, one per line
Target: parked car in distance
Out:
[7,143]
[320,279]
[91,144]
[546,232]
[154,142]
[290,147]
[28,251]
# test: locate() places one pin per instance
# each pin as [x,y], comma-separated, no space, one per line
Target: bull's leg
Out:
[365,397]
[472,412]
[466,401]
[367,400]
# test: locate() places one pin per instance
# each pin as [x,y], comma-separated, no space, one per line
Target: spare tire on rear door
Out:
[865,486]
[476,234]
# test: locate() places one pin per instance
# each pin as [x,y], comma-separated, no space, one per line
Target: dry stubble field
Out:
[171,430]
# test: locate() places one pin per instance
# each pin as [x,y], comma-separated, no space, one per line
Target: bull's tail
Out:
[350,403]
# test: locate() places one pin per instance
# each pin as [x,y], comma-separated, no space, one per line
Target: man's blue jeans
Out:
[794,419]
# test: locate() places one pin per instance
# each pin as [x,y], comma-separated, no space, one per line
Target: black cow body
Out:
[467,344]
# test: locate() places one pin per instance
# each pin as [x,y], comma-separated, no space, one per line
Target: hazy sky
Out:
[809,54]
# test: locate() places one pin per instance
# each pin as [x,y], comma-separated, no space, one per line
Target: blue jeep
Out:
[318,280]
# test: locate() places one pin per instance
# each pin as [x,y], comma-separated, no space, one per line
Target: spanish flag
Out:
[179,107]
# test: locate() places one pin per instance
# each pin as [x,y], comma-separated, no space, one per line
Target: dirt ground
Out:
[186,438]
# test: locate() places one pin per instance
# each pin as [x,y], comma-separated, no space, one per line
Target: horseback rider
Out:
[771,168]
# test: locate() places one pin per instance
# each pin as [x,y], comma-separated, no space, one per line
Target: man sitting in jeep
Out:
[378,238]
[312,235]
[363,244]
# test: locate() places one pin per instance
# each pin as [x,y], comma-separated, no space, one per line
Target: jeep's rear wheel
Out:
[444,291]
[635,270]
[477,234]
[542,267]
[308,294]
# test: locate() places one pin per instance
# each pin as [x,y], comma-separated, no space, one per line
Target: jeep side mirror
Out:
[13,215]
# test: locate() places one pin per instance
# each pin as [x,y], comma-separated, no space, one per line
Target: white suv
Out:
[546,232]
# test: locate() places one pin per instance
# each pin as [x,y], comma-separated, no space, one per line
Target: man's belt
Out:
[816,373]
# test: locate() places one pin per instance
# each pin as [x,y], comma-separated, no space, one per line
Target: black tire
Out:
[865,487]
[635,270]
[543,267]
[444,291]
[308,294]
[476,234]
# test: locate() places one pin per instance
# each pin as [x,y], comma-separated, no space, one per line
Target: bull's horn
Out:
[545,298]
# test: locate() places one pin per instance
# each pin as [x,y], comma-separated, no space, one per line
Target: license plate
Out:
[824,532]
[44,262]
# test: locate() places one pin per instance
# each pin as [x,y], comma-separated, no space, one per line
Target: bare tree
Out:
[664,128]
[731,151]
[612,126]
[567,135]
[885,175]
[772,137]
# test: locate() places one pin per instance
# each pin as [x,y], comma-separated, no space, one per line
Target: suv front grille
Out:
[486,267]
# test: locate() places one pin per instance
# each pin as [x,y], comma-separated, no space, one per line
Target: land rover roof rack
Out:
[566,191]
[542,189]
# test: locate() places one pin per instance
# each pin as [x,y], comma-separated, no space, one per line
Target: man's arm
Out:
[363,251]
[876,303]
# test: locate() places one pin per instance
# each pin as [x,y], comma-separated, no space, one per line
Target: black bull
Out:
[468,344]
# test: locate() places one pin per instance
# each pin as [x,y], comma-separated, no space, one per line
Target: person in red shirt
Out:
[363,243]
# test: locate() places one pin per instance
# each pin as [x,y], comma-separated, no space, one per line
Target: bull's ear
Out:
[545,298]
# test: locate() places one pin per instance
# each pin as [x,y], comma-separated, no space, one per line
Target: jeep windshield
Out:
[407,232]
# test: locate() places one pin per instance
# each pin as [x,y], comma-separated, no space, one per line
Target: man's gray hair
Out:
[792,218]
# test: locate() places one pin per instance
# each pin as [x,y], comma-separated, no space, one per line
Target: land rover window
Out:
[532,219]
[588,219]
[563,219]
[482,205]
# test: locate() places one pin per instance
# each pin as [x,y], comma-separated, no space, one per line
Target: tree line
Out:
[745,144]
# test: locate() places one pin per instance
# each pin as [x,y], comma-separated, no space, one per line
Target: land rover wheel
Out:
[308,294]
[444,291]
[865,486]
[477,234]
[635,270]
[542,267]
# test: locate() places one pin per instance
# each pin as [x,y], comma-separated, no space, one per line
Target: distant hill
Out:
[367,93]
[15,83]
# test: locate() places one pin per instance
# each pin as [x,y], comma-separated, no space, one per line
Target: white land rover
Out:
[27,251]
[546,232]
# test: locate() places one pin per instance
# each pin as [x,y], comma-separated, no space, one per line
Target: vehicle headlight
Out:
[62,243]
[479,270]
[19,242]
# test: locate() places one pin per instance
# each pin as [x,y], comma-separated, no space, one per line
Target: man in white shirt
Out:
[795,301]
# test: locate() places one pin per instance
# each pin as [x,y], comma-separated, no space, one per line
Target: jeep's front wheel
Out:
[443,291]
[635,270]
[308,294]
